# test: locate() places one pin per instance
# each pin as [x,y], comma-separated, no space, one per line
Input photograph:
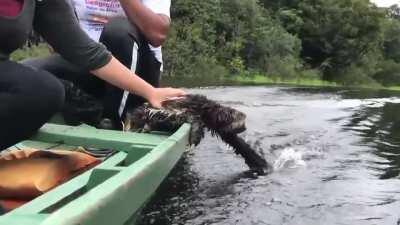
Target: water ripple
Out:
[335,154]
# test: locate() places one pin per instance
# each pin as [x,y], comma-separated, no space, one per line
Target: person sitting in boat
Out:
[133,30]
[30,96]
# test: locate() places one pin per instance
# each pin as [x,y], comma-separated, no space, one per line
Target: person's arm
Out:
[153,25]
[56,22]
[125,79]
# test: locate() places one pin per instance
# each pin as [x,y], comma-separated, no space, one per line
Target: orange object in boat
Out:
[10,204]
[26,174]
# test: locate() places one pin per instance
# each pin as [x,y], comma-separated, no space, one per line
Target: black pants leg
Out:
[28,98]
[128,46]
[62,69]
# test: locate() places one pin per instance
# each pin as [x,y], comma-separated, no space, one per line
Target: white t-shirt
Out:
[92,15]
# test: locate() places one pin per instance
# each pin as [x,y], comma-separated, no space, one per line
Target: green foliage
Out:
[192,36]
[310,74]
[335,33]
[237,35]
[258,40]
[32,52]
[391,44]
[351,42]
[347,41]
[237,65]
[354,75]
[388,73]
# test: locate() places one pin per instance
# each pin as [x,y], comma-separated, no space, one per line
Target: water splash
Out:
[289,158]
[335,154]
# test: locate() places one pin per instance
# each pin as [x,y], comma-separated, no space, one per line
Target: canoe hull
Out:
[114,190]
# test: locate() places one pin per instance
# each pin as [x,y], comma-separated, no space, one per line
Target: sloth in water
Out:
[202,113]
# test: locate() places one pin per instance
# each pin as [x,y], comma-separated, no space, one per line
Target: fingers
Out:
[174,92]
[157,105]
[164,94]
[174,98]
[181,92]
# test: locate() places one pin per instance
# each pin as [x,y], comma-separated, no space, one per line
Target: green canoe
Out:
[113,192]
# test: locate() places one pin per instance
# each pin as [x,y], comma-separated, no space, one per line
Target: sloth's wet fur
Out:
[202,113]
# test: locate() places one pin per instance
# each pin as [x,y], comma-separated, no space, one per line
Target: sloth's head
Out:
[224,119]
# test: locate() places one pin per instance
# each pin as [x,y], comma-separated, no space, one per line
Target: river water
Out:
[335,154]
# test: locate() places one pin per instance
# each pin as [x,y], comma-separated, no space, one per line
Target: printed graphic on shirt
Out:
[93,14]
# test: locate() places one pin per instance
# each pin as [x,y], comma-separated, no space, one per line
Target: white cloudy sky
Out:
[386,2]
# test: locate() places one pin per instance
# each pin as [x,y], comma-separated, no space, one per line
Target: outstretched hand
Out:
[161,94]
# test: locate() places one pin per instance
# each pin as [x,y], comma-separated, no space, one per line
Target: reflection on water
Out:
[336,157]
[379,125]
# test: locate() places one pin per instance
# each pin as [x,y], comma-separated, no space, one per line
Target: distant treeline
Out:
[351,42]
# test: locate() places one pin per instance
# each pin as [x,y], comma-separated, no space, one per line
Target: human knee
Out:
[48,94]
[56,94]
[35,63]
[119,31]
